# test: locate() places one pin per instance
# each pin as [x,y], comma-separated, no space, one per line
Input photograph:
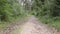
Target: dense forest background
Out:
[48,11]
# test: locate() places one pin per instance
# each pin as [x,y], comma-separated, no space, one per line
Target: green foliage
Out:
[48,11]
[47,7]
[10,9]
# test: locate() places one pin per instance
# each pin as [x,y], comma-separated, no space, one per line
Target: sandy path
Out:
[34,27]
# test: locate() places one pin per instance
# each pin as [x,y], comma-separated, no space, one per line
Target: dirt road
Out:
[34,27]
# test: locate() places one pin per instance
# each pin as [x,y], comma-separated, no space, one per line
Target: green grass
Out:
[57,24]
[51,22]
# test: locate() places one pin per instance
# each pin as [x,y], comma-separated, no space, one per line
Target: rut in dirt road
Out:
[34,27]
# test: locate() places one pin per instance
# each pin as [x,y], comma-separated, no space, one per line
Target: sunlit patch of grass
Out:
[51,22]
[57,24]
[18,30]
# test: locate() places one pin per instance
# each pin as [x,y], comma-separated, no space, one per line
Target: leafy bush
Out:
[10,9]
[47,7]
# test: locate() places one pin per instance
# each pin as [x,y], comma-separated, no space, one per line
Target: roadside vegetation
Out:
[48,11]
[10,11]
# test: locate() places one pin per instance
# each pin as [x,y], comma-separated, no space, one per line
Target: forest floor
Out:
[32,26]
